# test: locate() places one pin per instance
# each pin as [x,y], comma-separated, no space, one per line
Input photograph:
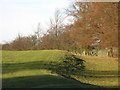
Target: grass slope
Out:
[101,71]
[30,69]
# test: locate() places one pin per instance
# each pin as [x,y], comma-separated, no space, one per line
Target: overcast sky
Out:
[22,16]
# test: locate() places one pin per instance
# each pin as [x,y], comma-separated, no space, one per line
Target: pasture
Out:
[46,69]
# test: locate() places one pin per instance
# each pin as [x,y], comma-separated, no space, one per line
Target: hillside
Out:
[41,69]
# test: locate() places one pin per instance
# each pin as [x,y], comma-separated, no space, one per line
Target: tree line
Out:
[95,26]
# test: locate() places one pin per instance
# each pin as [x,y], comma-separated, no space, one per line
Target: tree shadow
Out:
[68,67]
[100,74]
[10,68]
[44,81]
[73,66]
[65,68]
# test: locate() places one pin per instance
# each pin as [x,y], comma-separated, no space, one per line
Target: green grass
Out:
[101,71]
[31,69]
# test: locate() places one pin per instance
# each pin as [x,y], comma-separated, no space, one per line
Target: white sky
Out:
[23,16]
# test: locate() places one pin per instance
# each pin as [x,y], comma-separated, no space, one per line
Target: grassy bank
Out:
[31,69]
[101,71]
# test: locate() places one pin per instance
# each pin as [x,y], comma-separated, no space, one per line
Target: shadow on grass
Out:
[44,81]
[9,68]
[99,74]
[75,66]
[67,68]
[70,63]
[61,68]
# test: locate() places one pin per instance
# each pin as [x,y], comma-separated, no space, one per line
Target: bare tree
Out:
[56,26]
[37,36]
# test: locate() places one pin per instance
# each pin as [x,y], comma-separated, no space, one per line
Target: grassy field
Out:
[33,69]
[101,71]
